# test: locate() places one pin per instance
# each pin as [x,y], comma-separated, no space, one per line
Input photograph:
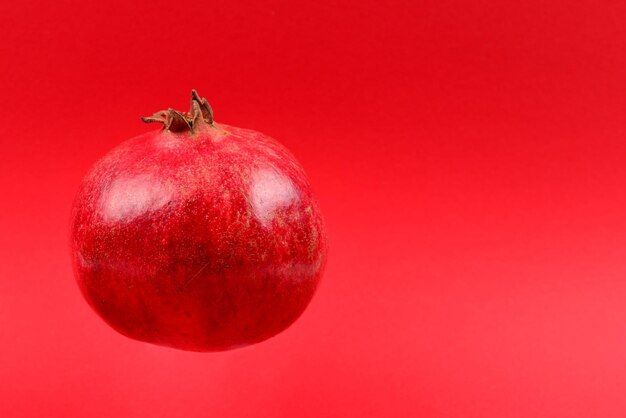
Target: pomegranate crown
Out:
[200,113]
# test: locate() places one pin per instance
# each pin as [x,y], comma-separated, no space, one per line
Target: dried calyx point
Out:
[199,114]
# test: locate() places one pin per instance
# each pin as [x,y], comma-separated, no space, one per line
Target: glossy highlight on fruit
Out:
[198,236]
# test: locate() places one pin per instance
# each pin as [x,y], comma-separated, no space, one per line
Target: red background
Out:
[469,158]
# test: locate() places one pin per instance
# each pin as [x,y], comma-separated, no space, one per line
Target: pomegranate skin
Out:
[202,240]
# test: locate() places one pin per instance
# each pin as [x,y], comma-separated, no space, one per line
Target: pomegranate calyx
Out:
[200,113]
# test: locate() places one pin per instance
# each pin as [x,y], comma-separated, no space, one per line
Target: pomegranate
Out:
[199,236]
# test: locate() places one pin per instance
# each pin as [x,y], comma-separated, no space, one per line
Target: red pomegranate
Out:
[199,236]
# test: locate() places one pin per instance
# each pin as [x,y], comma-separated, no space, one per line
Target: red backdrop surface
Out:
[469,158]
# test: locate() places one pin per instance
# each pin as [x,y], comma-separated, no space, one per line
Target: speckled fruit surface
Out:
[199,236]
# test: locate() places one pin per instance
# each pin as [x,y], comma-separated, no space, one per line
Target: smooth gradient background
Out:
[469,158]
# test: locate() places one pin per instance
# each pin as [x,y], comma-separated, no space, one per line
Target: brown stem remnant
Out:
[200,113]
